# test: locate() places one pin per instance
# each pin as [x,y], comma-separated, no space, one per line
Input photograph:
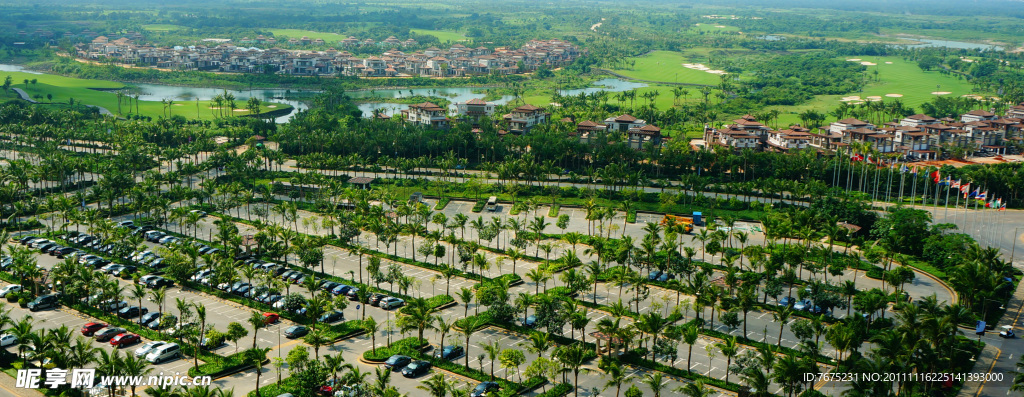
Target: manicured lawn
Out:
[667,66]
[899,77]
[64,88]
[329,38]
[441,35]
[161,27]
[715,27]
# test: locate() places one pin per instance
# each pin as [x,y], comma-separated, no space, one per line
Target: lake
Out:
[462,94]
[157,92]
[951,44]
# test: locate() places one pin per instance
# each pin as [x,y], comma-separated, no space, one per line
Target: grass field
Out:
[714,27]
[298,33]
[161,27]
[83,91]
[899,77]
[667,66]
[441,35]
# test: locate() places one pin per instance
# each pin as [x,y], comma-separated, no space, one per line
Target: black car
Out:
[332,316]
[450,352]
[353,294]
[296,331]
[132,312]
[530,322]
[341,289]
[416,368]
[397,361]
[376,298]
[483,388]
[159,282]
[666,276]
[149,317]
[654,275]
[43,302]
[328,285]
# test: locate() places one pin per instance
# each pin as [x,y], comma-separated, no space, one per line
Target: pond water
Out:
[952,44]
[157,92]
[462,94]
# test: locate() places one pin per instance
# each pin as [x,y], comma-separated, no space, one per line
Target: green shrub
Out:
[407,347]
[442,203]
[559,390]
[553,211]
[479,206]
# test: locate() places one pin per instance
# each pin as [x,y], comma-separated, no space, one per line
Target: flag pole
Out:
[956,207]
[888,186]
[903,178]
[945,215]
[913,191]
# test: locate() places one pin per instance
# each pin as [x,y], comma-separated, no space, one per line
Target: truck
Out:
[492,204]
[687,223]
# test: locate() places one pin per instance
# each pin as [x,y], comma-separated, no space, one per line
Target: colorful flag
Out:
[904,169]
[974,193]
[915,170]
[857,157]
[983,195]
[955,184]
[965,188]
[1002,207]
[936,176]
[988,204]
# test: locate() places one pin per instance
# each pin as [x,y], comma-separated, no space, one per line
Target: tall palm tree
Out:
[655,382]
[616,375]
[132,366]
[782,317]
[693,389]
[470,326]
[729,349]
[418,315]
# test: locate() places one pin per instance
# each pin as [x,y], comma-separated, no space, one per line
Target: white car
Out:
[148,347]
[7,340]
[8,289]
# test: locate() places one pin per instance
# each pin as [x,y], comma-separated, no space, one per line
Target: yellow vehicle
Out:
[670,220]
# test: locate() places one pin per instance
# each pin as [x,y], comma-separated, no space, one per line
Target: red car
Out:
[90,328]
[270,318]
[122,340]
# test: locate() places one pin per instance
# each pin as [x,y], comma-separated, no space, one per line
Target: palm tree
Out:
[573,357]
[616,375]
[437,386]
[694,389]
[466,295]
[789,373]
[371,327]
[137,293]
[257,321]
[201,314]
[493,350]
[690,335]
[132,366]
[782,317]
[654,381]
[470,326]
[729,349]
[418,315]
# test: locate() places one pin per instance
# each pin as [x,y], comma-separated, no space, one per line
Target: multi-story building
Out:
[525,117]
[427,113]
[474,109]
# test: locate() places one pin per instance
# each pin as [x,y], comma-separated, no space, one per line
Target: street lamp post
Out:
[1014,249]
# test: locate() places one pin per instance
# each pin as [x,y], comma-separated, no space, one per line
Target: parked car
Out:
[530,321]
[803,305]
[144,280]
[786,301]
[148,347]
[376,298]
[112,306]
[157,323]
[391,303]
[105,334]
[90,328]
[328,285]
[450,352]
[8,340]
[42,303]
[484,388]
[160,282]
[123,340]
[9,289]
[164,353]
[132,312]
[296,331]
[396,362]
[149,317]
[654,275]
[270,318]
[332,317]
[416,368]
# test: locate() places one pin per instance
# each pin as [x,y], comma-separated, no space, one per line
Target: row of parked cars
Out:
[801,305]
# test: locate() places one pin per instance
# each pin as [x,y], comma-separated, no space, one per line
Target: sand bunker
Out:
[272,106]
[894,95]
[850,98]
[719,26]
[865,63]
[853,60]
[888,63]
[701,67]
[941,92]
[874,98]
[241,110]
